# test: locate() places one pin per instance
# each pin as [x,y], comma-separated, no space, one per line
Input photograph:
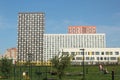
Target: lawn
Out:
[71,73]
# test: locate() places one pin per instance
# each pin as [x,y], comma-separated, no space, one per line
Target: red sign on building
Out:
[82,29]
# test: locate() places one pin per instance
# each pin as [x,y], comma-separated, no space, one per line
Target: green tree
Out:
[118,60]
[5,67]
[60,63]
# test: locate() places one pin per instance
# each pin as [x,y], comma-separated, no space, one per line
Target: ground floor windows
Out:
[96,58]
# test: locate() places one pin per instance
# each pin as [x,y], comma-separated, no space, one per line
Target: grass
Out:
[91,73]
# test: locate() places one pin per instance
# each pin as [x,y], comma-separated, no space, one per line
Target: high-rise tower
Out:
[30,36]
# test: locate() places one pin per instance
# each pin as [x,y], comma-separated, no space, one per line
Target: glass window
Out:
[102,53]
[105,58]
[97,53]
[92,53]
[92,58]
[81,53]
[79,58]
[89,53]
[107,53]
[78,53]
[87,58]
[113,58]
[101,58]
[111,53]
[97,58]
[65,53]
[72,53]
[116,53]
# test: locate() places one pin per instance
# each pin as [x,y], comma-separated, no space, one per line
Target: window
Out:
[72,53]
[97,53]
[78,53]
[81,53]
[113,58]
[111,53]
[97,58]
[92,58]
[87,58]
[92,53]
[102,53]
[116,53]
[79,58]
[105,58]
[65,53]
[101,58]
[89,53]
[107,53]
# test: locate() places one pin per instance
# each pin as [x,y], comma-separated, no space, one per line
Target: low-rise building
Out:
[92,55]
[11,54]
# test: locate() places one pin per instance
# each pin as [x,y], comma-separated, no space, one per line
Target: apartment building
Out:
[11,54]
[30,36]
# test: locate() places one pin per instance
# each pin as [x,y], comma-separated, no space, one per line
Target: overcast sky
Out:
[59,14]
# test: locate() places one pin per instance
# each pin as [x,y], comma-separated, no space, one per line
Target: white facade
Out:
[53,42]
[93,55]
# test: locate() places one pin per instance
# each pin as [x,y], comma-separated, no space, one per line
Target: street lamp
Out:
[83,64]
[30,66]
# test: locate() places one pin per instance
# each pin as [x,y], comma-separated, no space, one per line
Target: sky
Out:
[59,14]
